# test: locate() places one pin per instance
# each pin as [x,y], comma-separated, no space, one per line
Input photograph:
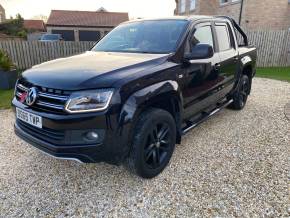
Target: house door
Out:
[67,35]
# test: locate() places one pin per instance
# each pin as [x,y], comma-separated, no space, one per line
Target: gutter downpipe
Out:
[241,12]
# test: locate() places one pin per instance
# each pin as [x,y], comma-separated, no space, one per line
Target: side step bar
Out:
[204,117]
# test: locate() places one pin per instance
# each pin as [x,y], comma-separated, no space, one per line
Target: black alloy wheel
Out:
[241,95]
[157,145]
[153,143]
[244,91]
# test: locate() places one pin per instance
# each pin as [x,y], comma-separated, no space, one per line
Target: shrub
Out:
[5,61]
[14,27]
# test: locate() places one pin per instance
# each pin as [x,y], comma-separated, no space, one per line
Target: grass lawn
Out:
[6,98]
[278,73]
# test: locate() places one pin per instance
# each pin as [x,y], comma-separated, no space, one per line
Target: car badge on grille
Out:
[31,96]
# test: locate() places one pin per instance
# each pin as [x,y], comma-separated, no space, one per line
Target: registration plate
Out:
[30,118]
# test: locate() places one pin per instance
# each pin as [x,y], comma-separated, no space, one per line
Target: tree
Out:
[40,17]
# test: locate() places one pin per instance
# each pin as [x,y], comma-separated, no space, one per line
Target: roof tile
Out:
[86,18]
[34,25]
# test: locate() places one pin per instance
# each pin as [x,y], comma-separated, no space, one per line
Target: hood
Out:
[90,70]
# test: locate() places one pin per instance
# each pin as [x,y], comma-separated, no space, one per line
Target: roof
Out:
[195,17]
[86,18]
[34,25]
[185,18]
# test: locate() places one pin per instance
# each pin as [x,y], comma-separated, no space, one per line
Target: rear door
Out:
[228,55]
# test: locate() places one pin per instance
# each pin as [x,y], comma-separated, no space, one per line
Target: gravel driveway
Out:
[235,164]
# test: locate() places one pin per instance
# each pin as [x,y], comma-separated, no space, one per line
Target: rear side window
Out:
[223,37]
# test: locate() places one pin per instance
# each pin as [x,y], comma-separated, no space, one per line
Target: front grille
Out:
[45,134]
[51,100]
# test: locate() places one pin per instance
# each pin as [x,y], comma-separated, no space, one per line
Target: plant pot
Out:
[8,79]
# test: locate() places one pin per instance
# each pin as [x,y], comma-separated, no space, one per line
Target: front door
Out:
[200,78]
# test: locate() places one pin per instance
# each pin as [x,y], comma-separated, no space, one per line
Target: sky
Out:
[136,8]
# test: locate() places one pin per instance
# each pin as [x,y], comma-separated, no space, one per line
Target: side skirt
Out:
[204,116]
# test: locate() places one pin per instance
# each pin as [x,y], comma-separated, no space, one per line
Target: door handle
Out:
[217,66]
[236,58]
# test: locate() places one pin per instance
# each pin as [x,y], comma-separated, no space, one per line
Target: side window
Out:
[202,35]
[223,37]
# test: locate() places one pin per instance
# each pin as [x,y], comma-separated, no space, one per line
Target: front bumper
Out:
[78,153]
[112,148]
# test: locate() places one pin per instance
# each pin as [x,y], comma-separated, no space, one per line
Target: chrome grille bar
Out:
[18,94]
[47,100]
[23,88]
[49,105]
[52,96]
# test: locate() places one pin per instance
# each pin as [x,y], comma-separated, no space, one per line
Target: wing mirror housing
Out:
[200,51]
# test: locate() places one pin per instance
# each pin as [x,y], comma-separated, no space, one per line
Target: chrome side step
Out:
[192,125]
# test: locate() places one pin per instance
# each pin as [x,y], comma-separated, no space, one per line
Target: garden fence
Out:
[273,49]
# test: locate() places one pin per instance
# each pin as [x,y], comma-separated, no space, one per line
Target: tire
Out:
[153,143]
[241,94]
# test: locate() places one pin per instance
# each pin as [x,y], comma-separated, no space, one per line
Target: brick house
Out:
[83,25]
[35,28]
[34,25]
[2,14]
[256,14]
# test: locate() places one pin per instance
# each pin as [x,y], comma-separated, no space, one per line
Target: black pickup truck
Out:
[136,92]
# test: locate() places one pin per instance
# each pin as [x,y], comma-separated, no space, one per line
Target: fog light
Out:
[92,136]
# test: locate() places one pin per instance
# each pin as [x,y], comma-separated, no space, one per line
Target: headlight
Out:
[89,101]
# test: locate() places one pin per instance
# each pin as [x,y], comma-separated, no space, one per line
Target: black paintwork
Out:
[169,81]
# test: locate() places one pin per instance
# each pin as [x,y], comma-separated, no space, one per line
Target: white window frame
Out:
[182,6]
[229,1]
[192,5]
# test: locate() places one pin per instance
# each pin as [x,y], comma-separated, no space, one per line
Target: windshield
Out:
[50,37]
[143,37]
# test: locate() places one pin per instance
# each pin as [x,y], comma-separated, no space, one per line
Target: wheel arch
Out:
[248,70]
[163,95]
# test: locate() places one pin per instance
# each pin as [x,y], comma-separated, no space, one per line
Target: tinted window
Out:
[223,37]
[203,35]
[144,37]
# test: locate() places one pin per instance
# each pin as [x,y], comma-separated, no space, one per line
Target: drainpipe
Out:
[241,12]
[176,8]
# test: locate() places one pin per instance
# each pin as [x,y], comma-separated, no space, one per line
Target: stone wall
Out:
[266,14]
[257,14]
[2,14]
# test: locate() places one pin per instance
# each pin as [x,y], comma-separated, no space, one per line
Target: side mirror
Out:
[200,51]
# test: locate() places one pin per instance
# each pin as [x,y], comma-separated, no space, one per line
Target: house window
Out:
[224,1]
[192,4]
[182,6]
